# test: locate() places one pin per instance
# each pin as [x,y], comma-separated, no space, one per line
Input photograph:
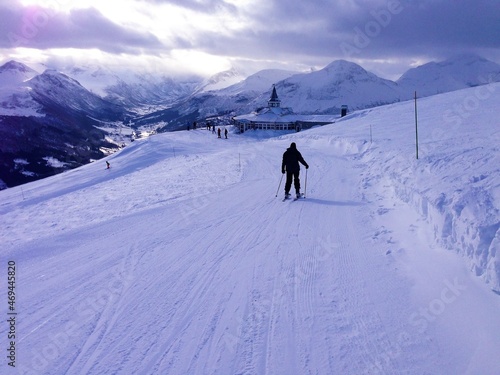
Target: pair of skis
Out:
[294,199]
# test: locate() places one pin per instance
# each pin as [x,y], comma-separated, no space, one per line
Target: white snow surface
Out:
[179,259]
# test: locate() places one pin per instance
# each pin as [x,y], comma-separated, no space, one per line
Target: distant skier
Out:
[218,132]
[225,133]
[290,164]
[108,165]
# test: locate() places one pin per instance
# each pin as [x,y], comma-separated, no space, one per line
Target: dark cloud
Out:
[324,30]
[435,28]
[311,33]
[40,28]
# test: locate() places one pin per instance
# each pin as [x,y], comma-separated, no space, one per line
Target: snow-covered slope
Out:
[455,184]
[96,79]
[456,73]
[180,260]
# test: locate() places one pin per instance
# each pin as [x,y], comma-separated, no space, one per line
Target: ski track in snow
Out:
[186,263]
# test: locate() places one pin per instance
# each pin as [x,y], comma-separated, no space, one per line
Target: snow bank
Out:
[455,184]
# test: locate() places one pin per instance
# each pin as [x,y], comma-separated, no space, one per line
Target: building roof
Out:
[284,118]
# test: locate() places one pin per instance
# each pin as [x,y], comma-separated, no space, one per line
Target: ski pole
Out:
[279,184]
[305,185]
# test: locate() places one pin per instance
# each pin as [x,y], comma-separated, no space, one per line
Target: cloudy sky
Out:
[208,36]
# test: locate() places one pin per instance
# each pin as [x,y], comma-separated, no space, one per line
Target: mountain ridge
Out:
[36,100]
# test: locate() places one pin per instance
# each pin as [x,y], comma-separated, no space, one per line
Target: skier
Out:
[218,133]
[107,165]
[225,133]
[290,164]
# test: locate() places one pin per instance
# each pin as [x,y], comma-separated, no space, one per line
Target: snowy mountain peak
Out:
[15,72]
[342,71]
[14,65]
[52,76]
[260,81]
[222,80]
[339,83]
[343,66]
[53,88]
[464,59]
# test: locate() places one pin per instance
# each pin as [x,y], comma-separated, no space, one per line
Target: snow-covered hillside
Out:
[455,73]
[15,99]
[222,80]
[57,89]
[49,116]
[179,259]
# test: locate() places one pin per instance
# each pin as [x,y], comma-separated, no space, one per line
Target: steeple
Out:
[274,101]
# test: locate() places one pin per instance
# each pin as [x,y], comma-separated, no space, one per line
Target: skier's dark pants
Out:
[296,181]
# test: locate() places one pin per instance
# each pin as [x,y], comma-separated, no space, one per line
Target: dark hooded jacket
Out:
[291,159]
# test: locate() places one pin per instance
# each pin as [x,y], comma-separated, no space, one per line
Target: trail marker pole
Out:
[416,124]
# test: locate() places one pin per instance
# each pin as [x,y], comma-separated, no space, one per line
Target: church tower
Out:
[274,102]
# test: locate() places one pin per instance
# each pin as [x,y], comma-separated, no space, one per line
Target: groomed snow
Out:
[181,260]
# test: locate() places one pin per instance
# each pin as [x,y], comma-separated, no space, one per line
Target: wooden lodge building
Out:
[275,117]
